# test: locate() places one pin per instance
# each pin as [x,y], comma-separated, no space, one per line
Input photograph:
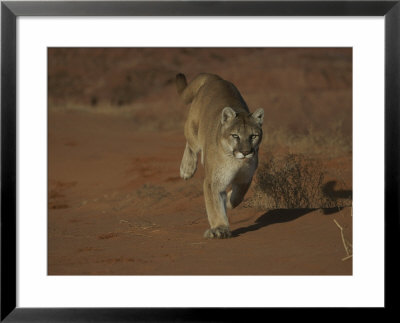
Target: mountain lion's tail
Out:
[189,91]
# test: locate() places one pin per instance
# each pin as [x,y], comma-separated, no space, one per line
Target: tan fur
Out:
[221,128]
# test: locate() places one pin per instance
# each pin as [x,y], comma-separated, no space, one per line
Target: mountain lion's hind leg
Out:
[189,163]
[236,194]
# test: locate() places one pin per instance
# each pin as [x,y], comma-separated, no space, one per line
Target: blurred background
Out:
[300,88]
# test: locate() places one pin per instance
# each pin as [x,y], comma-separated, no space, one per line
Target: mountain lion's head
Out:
[241,134]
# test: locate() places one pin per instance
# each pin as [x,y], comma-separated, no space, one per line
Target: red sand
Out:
[118,206]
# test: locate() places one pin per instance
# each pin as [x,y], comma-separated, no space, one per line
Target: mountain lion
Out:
[221,128]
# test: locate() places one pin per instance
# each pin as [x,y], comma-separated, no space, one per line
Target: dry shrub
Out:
[295,181]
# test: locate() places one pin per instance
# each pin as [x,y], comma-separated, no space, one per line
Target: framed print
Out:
[182,160]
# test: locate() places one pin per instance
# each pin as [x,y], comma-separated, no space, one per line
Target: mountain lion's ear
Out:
[227,114]
[258,115]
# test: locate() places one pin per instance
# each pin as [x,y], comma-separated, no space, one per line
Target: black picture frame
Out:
[11,10]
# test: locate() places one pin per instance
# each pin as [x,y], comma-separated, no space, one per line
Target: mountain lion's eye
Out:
[253,137]
[235,136]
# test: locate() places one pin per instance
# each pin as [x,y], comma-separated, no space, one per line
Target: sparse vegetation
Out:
[295,181]
[330,141]
[153,192]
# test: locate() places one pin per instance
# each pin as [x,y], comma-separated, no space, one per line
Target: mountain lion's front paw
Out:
[188,167]
[218,233]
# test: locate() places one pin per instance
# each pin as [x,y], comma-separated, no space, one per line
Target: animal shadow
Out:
[329,191]
[286,215]
[272,217]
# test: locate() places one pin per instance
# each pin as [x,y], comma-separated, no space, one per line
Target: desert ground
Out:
[116,203]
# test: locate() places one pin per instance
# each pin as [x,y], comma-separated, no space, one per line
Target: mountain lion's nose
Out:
[247,152]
